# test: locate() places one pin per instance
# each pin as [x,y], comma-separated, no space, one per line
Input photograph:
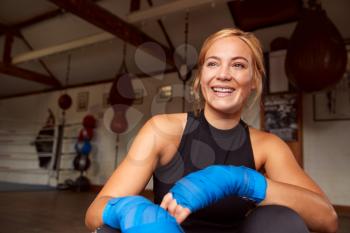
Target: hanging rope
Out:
[65,101]
[185,73]
[121,96]
[186,35]
[68,69]
[123,68]
[66,81]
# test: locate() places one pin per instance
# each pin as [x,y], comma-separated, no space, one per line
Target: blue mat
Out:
[15,187]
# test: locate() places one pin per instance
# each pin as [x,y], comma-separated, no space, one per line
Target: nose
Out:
[224,73]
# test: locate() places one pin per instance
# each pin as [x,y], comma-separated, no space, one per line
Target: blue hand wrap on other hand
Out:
[205,187]
[136,214]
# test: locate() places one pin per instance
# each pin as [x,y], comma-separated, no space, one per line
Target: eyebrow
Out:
[232,59]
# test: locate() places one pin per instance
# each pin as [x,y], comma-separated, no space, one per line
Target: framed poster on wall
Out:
[281,115]
[164,93]
[82,101]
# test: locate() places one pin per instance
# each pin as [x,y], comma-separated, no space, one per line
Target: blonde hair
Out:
[257,57]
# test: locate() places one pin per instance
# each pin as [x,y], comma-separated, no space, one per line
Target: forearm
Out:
[317,212]
[133,214]
[93,217]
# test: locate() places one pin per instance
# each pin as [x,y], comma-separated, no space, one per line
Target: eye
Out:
[238,65]
[211,64]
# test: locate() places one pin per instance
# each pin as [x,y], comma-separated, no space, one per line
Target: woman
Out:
[171,146]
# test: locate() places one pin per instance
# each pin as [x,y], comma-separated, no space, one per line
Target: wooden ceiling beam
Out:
[133,17]
[31,21]
[42,63]
[37,19]
[11,70]
[169,8]
[162,27]
[75,44]
[7,48]
[27,75]
[100,17]
[15,29]
[135,5]
[5,29]
[71,86]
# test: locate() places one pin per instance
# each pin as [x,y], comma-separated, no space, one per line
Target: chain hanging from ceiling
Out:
[121,96]
[184,72]
[65,101]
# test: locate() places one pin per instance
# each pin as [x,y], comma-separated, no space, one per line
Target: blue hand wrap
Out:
[136,214]
[204,187]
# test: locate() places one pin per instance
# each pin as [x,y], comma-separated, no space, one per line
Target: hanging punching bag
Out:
[65,101]
[121,96]
[316,55]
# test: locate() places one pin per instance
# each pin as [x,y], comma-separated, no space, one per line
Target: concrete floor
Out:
[44,211]
[58,212]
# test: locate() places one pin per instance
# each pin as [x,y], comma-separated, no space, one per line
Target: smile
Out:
[227,90]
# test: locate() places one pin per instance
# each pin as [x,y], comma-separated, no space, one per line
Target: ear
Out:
[196,83]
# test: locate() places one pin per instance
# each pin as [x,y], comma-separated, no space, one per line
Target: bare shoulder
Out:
[157,133]
[168,126]
[167,130]
[264,145]
[263,138]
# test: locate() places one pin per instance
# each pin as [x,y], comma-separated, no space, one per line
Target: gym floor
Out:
[59,212]
[44,211]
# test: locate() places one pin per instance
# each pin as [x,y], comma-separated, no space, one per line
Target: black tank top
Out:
[203,145]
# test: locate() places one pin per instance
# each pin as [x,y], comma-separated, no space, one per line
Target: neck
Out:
[221,120]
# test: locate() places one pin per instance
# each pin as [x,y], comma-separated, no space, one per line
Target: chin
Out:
[226,108]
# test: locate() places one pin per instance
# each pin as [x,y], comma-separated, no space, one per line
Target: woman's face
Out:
[227,75]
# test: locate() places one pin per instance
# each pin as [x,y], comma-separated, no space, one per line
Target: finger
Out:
[166,201]
[172,207]
[178,210]
[183,215]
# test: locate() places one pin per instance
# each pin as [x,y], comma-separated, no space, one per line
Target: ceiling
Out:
[47,45]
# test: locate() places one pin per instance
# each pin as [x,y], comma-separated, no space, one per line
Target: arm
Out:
[287,185]
[136,214]
[191,192]
[290,186]
[141,159]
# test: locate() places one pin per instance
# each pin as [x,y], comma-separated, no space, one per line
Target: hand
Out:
[177,211]
[136,214]
[202,188]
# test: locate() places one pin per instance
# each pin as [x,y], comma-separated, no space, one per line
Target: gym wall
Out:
[325,144]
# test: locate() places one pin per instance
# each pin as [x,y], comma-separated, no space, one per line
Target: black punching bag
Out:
[316,55]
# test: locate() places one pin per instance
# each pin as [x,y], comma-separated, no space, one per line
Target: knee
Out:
[273,219]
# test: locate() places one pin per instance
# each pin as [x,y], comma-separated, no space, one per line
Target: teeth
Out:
[223,89]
